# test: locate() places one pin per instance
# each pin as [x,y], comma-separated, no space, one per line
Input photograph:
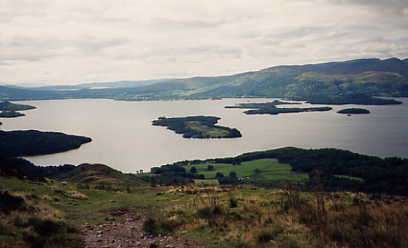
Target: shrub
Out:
[4,230]
[265,237]
[10,203]
[150,226]
[50,234]
[233,203]
[155,227]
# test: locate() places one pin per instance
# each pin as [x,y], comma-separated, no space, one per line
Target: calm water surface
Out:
[124,138]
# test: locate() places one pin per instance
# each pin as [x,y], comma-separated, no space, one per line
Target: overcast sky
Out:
[76,41]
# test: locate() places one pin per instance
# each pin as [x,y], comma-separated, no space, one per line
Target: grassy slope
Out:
[270,170]
[99,174]
[229,216]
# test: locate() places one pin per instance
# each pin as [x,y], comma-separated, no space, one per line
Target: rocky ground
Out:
[125,229]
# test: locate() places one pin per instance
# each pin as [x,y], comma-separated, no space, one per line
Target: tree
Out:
[193,170]
[210,167]
[233,174]
[219,175]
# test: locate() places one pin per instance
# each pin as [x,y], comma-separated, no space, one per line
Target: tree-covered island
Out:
[9,110]
[350,111]
[8,106]
[10,114]
[200,127]
[272,109]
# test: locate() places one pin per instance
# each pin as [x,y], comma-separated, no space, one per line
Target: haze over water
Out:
[124,138]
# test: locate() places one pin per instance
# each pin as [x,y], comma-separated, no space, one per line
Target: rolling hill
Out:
[354,81]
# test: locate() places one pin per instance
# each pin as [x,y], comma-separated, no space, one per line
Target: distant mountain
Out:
[334,82]
[100,85]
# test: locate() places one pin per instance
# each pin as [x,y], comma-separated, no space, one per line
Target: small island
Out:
[10,114]
[258,105]
[32,142]
[350,111]
[272,109]
[350,99]
[9,110]
[199,127]
[8,106]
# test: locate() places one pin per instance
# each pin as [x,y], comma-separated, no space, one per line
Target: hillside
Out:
[71,212]
[354,81]
[336,170]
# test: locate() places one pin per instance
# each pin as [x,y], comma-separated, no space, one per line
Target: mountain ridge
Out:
[344,79]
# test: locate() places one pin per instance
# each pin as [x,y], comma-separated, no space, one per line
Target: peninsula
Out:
[32,142]
[8,106]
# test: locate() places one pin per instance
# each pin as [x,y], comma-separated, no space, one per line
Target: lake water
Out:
[124,138]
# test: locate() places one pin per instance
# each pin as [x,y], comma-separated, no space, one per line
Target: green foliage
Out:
[8,106]
[160,226]
[353,111]
[31,142]
[202,127]
[265,237]
[10,202]
[10,114]
[262,171]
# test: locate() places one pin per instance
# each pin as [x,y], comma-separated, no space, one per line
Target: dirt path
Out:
[127,232]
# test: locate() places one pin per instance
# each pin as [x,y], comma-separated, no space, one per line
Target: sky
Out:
[77,41]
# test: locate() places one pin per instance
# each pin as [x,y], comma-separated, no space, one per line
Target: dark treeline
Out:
[336,168]
[32,142]
[177,174]
[172,174]
[21,168]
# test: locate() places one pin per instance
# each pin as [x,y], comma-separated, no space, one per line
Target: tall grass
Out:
[291,218]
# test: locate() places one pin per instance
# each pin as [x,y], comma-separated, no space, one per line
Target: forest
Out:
[32,142]
[200,127]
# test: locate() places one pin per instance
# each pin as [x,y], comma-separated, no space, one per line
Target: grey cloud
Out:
[187,24]
[399,7]
[104,40]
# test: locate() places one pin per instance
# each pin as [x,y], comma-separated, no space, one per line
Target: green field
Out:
[268,170]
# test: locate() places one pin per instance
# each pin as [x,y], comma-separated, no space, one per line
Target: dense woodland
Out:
[32,142]
[353,111]
[8,106]
[332,168]
[201,127]
[10,114]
